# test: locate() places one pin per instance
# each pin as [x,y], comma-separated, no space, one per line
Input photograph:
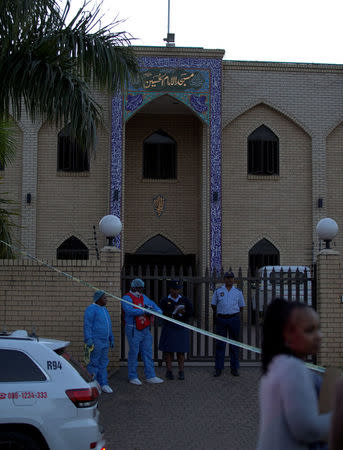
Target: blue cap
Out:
[175,284]
[137,282]
[97,295]
[229,275]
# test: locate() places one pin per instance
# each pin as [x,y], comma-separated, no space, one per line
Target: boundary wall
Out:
[36,298]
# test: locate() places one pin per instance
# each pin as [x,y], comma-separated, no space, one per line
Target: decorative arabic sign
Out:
[159,204]
[156,79]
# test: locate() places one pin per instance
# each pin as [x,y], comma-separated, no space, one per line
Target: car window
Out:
[17,366]
[77,366]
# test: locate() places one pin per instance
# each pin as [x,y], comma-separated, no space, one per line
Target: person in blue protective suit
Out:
[98,334]
[227,302]
[137,330]
[175,338]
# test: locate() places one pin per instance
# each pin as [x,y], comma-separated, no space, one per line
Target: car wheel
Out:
[12,440]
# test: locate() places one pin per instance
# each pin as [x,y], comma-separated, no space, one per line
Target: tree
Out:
[7,146]
[48,62]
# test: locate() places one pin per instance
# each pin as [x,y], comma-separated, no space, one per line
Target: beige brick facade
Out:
[35,298]
[330,307]
[181,220]
[277,208]
[301,103]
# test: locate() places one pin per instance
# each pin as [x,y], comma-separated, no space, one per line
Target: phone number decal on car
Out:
[23,395]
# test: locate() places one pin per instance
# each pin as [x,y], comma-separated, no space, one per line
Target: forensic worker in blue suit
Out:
[227,302]
[98,335]
[137,330]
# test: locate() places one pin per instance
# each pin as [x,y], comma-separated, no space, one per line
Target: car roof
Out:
[22,335]
[284,268]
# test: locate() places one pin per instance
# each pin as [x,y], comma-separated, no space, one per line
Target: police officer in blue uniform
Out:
[175,338]
[227,302]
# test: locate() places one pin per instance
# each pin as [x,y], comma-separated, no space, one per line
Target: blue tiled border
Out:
[215,68]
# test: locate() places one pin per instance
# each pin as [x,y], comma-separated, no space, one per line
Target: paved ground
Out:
[201,412]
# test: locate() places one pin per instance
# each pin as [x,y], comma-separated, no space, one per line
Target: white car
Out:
[293,284]
[48,401]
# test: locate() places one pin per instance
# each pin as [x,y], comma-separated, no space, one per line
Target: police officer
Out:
[175,338]
[227,302]
[137,330]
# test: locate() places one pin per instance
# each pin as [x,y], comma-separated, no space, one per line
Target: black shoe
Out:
[217,373]
[169,375]
[181,375]
[235,372]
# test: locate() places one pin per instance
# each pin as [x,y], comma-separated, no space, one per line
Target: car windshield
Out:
[76,364]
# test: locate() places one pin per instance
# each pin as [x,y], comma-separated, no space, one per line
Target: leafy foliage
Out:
[47,62]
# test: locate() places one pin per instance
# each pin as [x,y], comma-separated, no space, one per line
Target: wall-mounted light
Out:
[327,229]
[110,226]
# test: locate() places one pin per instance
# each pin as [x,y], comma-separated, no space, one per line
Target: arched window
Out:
[72,248]
[158,245]
[159,156]
[263,152]
[263,253]
[70,156]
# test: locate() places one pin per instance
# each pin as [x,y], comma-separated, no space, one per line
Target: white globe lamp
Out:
[327,229]
[110,226]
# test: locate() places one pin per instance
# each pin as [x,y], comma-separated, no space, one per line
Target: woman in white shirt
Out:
[289,417]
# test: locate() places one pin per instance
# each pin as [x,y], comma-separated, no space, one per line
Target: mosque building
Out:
[208,163]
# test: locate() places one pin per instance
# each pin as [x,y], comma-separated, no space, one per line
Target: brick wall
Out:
[334,164]
[180,222]
[330,307]
[278,208]
[70,203]
[36,298]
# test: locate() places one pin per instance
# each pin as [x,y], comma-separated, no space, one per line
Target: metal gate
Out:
[258,292]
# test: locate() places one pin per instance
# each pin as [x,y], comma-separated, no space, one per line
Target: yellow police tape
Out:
[149,311]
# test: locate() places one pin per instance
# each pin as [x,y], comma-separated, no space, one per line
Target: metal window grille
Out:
[70,156]
[263,152]
[159,156]
[72,248]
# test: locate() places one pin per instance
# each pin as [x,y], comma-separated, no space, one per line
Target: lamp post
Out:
[110,226]
[327,229]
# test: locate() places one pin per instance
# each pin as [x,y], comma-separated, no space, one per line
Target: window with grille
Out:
[72,248]
[71,157]
[263,152]
[159,156]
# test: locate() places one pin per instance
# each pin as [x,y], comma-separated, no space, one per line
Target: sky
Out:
[252,30]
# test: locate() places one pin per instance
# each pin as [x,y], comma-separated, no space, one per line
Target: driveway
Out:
[201,412]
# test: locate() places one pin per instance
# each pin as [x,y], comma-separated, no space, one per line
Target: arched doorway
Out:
[161,252]
[163,176]
[263,253]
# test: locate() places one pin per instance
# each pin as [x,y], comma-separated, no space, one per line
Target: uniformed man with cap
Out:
[227,302]
[137,330]
[175,338]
